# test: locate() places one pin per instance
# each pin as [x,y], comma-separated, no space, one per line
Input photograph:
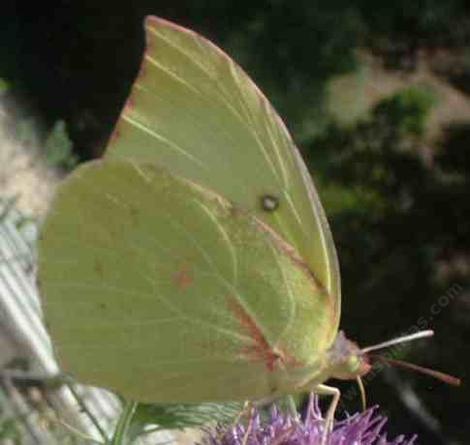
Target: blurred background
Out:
[377,98]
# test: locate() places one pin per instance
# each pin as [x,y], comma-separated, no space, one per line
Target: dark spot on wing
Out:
[134,213]
[102,306]
[99,268]
[269,203]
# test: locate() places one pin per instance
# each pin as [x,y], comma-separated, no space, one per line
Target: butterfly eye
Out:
[269,203]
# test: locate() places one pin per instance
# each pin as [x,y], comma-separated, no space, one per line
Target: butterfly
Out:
[194,261]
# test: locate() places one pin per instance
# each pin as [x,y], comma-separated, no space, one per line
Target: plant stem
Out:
[122,428]
[78,433]
[292,406]
[85,410]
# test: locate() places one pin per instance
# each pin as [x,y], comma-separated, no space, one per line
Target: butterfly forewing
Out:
[195,112]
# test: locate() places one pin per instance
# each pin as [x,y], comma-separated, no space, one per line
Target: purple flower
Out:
[366,428]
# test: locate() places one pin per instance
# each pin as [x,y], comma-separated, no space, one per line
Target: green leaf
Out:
[4,86]
[59,148]
[180,416]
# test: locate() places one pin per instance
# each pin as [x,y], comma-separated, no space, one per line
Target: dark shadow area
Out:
[403,246]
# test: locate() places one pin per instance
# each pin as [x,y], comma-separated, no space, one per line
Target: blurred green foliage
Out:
[408,111]
[3,86]
[9,431]
[59,148]
[397,220]
[154,417]
[67,58]
[53,143]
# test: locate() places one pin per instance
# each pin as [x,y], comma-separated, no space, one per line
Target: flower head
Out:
[366,428]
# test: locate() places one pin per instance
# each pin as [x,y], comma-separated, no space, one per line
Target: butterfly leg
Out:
[248,408]
[330,414]
[250,424]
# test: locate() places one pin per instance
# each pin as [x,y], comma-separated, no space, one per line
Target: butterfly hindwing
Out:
[163,290]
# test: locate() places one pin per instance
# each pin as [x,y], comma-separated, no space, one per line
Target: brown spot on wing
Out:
[114,135]
[129,106]
[183,278]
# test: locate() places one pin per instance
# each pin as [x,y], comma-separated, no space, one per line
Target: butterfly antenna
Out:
[398,340]
[446,378]
[362,390]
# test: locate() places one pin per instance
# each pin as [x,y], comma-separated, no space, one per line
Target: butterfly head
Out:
[346,360]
